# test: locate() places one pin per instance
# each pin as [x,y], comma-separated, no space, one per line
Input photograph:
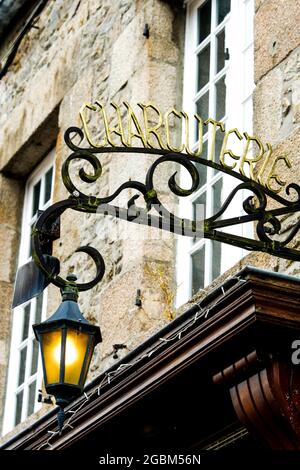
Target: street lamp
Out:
[67,341]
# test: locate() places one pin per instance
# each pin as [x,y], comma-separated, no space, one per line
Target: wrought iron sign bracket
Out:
[268,225]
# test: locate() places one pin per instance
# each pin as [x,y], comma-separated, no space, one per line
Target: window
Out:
[218,84]
[24,375]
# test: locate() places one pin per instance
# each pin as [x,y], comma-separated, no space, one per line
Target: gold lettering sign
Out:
[154,130]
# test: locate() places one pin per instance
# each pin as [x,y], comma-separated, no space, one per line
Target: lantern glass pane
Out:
[76,346]
[51,341]
[87,365]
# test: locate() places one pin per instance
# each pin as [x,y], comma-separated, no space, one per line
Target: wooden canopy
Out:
[220,375]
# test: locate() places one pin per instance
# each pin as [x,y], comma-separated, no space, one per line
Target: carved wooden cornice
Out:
[265,396]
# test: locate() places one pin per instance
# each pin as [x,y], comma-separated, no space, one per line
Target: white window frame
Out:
[239,88]
[13,388]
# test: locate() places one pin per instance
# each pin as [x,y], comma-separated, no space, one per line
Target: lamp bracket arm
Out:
[44,220]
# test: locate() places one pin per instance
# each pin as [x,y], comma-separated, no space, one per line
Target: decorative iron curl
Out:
[296,188]
[151,196]
[69,140]
[263,230]
[87,178]
[40,232]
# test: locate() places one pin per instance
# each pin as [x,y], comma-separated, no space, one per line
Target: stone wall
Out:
[82,51]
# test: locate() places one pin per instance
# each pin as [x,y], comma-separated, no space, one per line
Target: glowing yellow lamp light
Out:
[67,342]
[71,353]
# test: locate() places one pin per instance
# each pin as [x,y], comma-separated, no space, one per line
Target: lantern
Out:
[67,341]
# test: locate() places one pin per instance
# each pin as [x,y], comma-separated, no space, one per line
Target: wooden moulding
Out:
[267,401]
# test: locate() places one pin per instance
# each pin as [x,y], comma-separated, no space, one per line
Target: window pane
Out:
[218,147]
[36,197]
[202,170]
[31,398]
[198,259]
[204,20]
[22,365]
[199,206]
[48,184]
[220,50]
[220,98]
[216,259]
[217,195]
[223,8]
[38,309]
[249,7]
[19,402]
[203,67]
[35,356]
[26,321]
[202,107]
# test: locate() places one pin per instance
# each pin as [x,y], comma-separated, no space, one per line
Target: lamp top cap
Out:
[70,291]
[71,277]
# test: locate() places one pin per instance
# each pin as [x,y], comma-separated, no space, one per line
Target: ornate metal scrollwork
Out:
[268,225]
